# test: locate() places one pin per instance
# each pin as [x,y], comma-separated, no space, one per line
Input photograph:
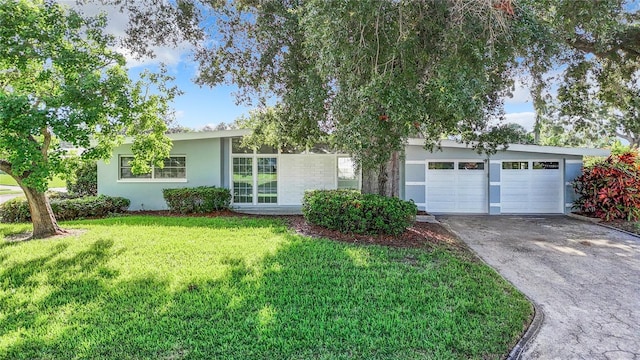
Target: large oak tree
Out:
[60,80]
[363,74]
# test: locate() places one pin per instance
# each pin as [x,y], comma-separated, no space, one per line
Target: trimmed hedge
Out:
[17,210]
[202,199]
[349,211]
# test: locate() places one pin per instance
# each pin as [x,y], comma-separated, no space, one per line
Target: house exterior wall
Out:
[572,169]
[300,172]
[416,162]
[203,168]
[209,163]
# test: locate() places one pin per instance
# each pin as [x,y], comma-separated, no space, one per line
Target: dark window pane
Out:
[441,166]
[546,165]
[471,166]
[237,148]
[515,165]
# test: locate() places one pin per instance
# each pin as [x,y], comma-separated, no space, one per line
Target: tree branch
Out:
[626,41]
[5,166]
[46,143]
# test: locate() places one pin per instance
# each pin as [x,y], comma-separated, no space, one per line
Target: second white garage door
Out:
[531,187]
[456,186]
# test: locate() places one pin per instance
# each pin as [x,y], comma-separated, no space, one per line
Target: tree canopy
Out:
[60,80]
[595,45]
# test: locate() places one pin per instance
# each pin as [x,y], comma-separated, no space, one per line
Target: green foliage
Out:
[202,199]
[367,74]
[610,189]
[598,52]
[246,288]
[84,179]
[17,210]
[61,80]
[352,212]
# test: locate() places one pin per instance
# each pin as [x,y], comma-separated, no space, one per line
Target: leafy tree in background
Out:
[598,45]
[59,78]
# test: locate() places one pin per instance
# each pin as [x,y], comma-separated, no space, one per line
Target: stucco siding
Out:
[203,166]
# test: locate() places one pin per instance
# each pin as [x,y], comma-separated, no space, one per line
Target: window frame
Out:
[356,173]
[153,178]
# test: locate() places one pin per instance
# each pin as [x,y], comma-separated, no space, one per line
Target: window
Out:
[347,175]
[546,165]
[471,165]
[237,148]
[267,181]
[175,167]
[515,165]
[243,180]
[441,166]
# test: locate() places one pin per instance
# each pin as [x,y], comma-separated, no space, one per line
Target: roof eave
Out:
[524,148]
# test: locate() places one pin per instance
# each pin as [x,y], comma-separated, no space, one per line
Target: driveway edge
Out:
[538,315]
[530,333]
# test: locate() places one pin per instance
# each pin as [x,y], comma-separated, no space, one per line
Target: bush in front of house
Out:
[202,199]
[610,189]
[17,210]
[85,180]
[349,211]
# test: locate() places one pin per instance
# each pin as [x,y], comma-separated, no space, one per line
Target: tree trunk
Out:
[385,180]
[42,218]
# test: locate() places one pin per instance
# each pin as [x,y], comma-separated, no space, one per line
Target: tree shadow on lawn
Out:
[311,299]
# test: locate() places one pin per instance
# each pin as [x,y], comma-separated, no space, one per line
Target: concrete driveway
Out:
[583,277]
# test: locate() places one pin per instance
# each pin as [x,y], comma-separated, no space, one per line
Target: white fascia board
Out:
[523,148]
[202,135]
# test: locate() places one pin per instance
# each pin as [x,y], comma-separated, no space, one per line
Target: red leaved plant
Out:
[610,189]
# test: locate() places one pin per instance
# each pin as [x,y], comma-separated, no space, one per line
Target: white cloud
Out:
[521,94]
[117,22]
[526,119]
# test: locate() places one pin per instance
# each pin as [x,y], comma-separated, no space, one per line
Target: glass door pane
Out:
[267,181]
[243,180]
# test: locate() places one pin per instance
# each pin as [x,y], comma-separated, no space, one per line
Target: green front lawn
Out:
[57,182]
[244,288]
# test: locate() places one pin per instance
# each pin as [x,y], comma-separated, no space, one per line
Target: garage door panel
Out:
[531,190]
[457,189]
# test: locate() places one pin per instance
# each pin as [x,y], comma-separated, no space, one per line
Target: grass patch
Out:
[244,288]
[56,182]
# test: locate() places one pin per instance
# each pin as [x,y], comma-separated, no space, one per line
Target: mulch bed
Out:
[417,236]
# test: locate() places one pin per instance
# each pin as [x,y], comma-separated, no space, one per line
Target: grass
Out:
[244,288]
[56,182]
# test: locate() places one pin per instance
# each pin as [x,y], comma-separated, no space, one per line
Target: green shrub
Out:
[200,199]
[17,210]
[351,212]
[85,180]
[610,189]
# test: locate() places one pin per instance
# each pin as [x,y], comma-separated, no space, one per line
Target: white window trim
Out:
[152,179]
[358,173]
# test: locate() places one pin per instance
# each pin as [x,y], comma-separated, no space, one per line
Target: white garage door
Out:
[456,186]
[531,187]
